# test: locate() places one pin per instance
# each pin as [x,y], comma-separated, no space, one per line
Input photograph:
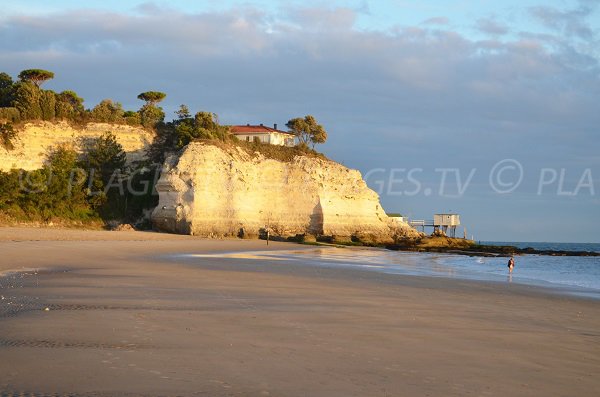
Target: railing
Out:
[421,222]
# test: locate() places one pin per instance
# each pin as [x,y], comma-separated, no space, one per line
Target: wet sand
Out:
[112,313]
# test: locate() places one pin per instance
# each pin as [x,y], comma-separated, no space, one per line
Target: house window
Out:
[247,139]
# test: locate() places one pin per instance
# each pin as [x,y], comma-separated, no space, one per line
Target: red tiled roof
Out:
[255,129]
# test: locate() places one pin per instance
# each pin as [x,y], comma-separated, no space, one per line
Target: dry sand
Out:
[123,319]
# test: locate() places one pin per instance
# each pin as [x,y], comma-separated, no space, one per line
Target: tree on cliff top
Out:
[204,125]
[36,76]
[307,130]
[6,87]
[150,114]
[152,97]
[107,111]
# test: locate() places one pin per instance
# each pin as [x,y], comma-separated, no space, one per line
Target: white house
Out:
[273,136]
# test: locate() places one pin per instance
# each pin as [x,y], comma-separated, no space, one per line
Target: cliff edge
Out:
[214,191]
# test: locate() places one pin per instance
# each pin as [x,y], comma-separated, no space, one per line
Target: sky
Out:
[483,108]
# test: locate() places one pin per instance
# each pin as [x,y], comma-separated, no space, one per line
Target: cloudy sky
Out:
[485,108]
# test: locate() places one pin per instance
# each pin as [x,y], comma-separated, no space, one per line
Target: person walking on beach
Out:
[511,264]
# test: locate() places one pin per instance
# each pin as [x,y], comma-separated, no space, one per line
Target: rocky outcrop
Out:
[215,192]
[34,140]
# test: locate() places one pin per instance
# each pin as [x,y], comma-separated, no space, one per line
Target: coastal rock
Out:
[35,139]
[215,191]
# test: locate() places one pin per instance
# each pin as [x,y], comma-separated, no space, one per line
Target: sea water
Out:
[578,275]
[594,247]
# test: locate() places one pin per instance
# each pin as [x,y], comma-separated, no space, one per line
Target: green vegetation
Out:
[307,130]
[91,187]
[281,153]
[394,215]
[152,97]
[97,185]
[150,114]
[107,111]
[6,84]
[204,125]
[45,194]
[36,76]
[25,100]
[174,135]
[7,134]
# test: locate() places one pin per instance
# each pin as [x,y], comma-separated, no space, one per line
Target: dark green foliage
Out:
[72,99]
[114,191]
[65,186]
[307,130]
[7,134]
[48,105]
[104,159]
[36,76]
[47,193]
[132,118]
[151,115]
[105,154]
[6,90]
[95,187]
[34,103]
[204,125]
[140,193]
[27,100]
[69,106]
[107,111]
[178,133]
[183,112]
[10,114]
[152,97]
[165,141]
[275,152]
[9,189]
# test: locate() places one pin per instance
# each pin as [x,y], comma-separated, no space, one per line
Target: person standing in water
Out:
[511,264]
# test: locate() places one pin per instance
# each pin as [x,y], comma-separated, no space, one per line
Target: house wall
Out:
[446,220]
[250,137]
[272,138]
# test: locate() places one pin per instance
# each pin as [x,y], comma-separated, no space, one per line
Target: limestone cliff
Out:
[211,191]
[35,139]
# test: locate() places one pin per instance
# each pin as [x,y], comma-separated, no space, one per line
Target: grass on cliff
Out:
[274,152]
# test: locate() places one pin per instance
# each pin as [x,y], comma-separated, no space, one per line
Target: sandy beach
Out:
[94,313]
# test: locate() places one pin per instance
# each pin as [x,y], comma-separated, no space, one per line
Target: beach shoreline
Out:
[126,318]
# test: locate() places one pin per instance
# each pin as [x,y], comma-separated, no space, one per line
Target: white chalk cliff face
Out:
[214,192]
[34,140]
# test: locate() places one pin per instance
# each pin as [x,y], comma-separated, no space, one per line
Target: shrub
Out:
[10,114]
[151,115]
[48,105]
[7,134]
[107,111]
[27,100]
[69,106]
[132,118]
